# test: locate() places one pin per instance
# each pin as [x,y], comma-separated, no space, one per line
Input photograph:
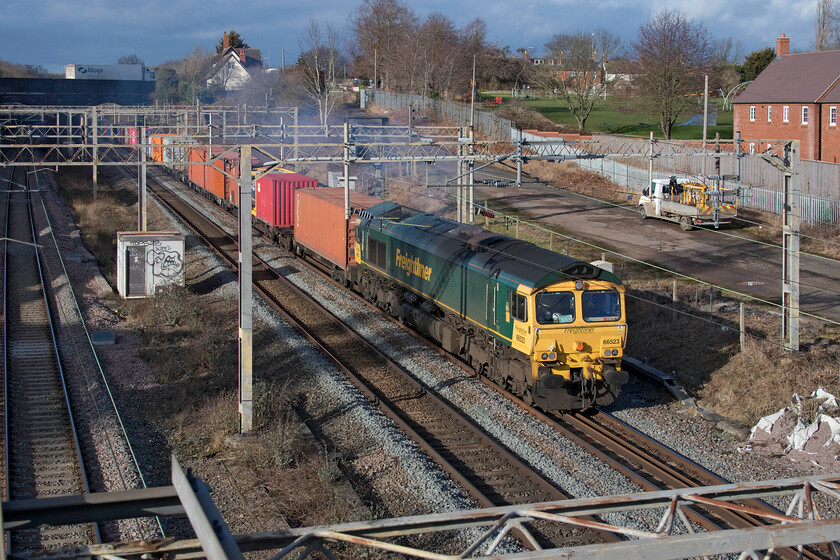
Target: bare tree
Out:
[574,70]
[378,27]
[317,67]
[130,59]
[191,72]
[439,46]
[224,71]
[609,46]
[727,51]
[725,72]
[827,34]
[674,52]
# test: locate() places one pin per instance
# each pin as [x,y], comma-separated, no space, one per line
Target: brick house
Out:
[590,75]
[796,97]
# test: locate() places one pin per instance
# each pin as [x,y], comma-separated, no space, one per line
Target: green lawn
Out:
[614,116]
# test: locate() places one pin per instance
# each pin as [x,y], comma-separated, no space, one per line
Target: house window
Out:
[832,116]
[769,113]
[785,114]
[804,114]
[752,113]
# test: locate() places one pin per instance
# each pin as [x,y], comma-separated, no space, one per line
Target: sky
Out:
[52,33]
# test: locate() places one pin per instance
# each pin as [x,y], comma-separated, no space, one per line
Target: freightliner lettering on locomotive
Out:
[548,327]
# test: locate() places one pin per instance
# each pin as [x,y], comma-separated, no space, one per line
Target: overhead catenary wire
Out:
[657,267]
[738,237]
[803,235]
[635,297]
[718,231]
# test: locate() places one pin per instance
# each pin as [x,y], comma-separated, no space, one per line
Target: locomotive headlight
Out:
[607,353]
[615,352]
[552,356]
[578,285]
[544,356]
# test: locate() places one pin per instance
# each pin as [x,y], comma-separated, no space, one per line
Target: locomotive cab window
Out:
[603,305]
[518,306]
[555,308]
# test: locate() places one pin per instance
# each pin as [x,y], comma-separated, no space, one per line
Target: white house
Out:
[234,68]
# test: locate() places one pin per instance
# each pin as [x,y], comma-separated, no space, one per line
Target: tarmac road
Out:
[726,257]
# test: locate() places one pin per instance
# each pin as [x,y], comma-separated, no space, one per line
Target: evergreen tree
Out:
[234,40]
[757,61]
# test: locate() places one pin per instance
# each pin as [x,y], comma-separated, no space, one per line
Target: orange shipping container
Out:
[157,146]
[214,180]
[205,176]
[320,225]
[196,171]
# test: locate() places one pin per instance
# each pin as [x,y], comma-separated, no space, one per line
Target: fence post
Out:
[674,302]
[742,328]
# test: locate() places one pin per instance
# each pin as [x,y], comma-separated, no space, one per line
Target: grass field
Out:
[616,116]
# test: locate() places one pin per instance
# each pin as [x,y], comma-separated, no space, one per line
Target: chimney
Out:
[782,46]
[242,55]
[225,41]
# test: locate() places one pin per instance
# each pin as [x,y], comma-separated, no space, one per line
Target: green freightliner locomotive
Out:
[550,328]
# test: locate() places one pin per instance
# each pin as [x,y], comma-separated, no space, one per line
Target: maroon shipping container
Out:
[275,197]
[320,225]
[133,135]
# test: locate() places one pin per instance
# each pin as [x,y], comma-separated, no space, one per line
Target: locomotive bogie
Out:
[552,332]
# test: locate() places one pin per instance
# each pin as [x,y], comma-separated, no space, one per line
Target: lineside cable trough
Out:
[669,382]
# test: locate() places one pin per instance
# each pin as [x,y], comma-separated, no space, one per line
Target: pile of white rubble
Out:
[788,432]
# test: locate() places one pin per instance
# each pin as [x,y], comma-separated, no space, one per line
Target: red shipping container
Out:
[275,192]
[320,225]
[132,136]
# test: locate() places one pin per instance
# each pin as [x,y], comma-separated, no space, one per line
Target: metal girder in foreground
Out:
[802,524]
[188,494]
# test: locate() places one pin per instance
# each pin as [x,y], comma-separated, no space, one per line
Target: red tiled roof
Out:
[795,78]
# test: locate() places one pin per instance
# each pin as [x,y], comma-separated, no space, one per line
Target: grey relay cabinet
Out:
[147,260]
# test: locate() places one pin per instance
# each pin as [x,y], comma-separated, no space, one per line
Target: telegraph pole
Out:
[246,318]
[95,155]
[141,180]
[790,245]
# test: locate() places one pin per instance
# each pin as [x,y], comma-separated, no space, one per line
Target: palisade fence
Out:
[761,183]
[488,124]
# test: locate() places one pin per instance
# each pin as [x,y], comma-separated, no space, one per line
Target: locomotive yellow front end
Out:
[578,331]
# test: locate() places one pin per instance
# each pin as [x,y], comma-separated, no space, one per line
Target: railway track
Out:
[476,463]
[652,466]
[486,470]
[42,454]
